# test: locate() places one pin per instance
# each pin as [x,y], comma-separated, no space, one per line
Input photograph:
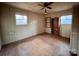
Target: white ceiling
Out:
[34,7]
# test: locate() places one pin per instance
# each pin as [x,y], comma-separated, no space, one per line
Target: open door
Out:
[55,29]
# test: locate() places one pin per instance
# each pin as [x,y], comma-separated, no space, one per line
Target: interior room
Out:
[39,29]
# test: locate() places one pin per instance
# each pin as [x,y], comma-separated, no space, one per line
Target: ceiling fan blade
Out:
[40,5]
[50,3]
[42,8]
[49,7]
[47,4]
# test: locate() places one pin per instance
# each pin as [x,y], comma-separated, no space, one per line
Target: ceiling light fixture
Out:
[45,11]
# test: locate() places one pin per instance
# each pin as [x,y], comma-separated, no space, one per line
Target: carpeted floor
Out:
[40,45]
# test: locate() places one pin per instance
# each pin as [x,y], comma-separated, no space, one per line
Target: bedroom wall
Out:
[65,30]
[74,39]
[12,32]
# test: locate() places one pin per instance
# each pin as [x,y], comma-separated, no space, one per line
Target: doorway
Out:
[55,28]
[62,25]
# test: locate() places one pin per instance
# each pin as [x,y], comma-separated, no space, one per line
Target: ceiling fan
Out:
[46,5]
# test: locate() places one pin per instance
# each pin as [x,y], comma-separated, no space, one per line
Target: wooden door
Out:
[55,26]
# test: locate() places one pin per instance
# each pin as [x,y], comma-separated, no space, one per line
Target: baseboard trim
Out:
[22,40]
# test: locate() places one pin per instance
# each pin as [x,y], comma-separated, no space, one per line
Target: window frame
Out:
[67,23]
[22,14]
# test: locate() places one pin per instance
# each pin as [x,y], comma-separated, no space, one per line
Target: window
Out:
[66,19]
[21,19]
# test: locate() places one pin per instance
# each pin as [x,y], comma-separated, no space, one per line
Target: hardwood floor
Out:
[41,45]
